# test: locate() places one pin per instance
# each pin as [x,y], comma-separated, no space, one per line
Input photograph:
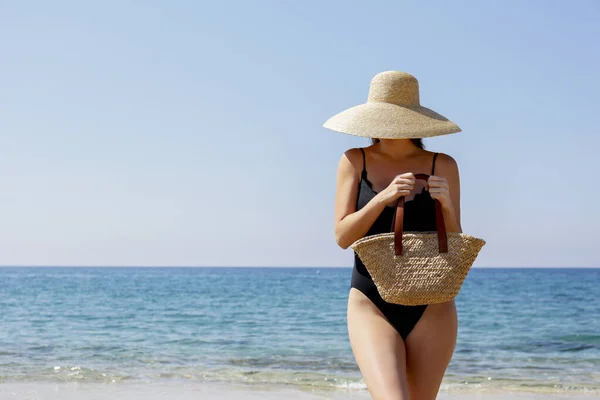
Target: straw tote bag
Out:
[417,268]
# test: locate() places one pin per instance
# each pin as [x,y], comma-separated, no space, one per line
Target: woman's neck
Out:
[396,149]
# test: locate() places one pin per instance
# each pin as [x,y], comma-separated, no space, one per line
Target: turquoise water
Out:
[519,329]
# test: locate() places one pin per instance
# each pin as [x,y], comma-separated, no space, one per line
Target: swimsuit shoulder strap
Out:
[433,166]
[364,170]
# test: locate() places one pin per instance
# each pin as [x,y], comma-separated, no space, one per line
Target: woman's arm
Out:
[351,225]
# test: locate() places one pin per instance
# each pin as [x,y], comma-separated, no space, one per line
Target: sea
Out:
[520,329]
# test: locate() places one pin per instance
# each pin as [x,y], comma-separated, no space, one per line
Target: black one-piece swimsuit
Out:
[419,215]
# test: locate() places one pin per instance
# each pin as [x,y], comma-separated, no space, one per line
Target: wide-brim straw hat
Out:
[392,111]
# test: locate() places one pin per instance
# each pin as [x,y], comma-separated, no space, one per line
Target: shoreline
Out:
[232,391]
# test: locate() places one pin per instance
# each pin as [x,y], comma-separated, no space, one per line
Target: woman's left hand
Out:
[438,189]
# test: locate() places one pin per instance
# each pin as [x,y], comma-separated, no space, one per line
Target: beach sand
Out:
[204,391]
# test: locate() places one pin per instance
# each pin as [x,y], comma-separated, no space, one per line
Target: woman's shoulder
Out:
[353,158]
[445,164]
[444,158]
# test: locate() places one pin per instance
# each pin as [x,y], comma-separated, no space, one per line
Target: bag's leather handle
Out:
[439,223]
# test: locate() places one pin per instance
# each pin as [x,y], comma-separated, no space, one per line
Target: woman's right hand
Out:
[401,185]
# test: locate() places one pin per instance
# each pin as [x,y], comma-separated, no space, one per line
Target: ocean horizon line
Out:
[271,266]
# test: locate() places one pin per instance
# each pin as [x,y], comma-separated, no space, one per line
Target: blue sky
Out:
[189,133]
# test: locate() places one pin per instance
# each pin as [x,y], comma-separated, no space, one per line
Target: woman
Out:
[402,351]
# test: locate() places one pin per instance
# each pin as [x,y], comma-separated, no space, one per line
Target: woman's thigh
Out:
[378,349]
[429,348]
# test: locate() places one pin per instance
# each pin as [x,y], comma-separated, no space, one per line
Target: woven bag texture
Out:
[422,275]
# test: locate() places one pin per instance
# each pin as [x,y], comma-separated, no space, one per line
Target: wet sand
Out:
[205,391]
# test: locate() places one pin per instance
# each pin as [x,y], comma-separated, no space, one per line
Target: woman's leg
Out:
[429,348]
[378,349]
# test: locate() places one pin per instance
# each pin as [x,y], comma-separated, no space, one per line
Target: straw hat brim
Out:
[389,121]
